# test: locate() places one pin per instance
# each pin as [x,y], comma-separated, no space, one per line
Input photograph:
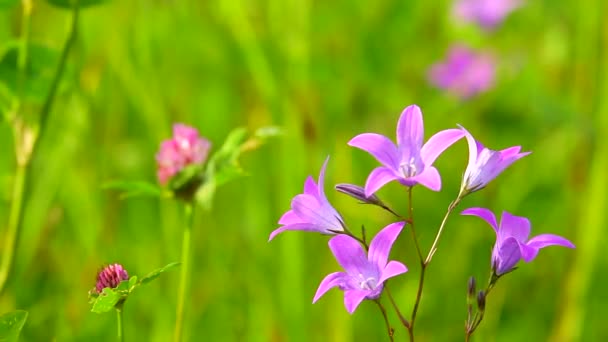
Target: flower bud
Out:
[110,276]
[358,193]
[471,288]
[481,301]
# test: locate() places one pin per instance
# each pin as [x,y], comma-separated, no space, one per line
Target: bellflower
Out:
[464,73]
[311,210]
[185,148]
[485,164]
[365,274]
[486,13]
[110,276]
[409,162]
[512,243]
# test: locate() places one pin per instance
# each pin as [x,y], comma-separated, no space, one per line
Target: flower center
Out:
[409,169]
[368,283]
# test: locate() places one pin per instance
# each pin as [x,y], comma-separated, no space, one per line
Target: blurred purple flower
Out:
[512,242]
[485,164]
[365,274]
[311,210]
[185,148]
[409,162]
[110,276]
[464,73]
[486,13]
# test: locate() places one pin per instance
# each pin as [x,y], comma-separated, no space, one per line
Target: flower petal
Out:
[377,179]
[352,299]
[410,128]
[484,214]
[321,184]
[508,255]
[514,226]
[544,240]
[393,268]
[289,218]
[381,244]
[439,143]
[330,281]
[350,255]
[429,178]
[311,211]
[306,227]
[379,146]
[528,253]
[310,187]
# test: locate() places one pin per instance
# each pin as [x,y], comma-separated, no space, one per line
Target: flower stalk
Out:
[185,273]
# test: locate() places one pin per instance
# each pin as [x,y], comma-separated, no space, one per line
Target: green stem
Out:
[121,332]
[26,140]
[13,225]
[185,274]
[389,329]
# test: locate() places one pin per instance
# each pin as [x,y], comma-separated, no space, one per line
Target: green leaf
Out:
[107,300]
[69,4]
[38,72]
[11,324]
[154,274]
[134,188]
[222,167]
[267,132]
[133,283]
[185,177]
[7,3]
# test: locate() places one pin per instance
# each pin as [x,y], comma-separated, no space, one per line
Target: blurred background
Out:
[324,72]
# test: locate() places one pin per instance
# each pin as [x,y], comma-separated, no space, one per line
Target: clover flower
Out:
[410,162]
[185,148]
[486,13]
[110,276]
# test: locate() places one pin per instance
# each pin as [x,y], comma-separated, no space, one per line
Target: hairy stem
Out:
[185,274]
[120,330]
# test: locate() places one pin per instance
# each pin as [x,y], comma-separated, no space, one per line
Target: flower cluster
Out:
[110,276]
[409,162]
[185,148]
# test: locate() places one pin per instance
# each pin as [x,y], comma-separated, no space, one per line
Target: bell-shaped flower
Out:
[365,273]
[464,73]
[185,148]
[311,210]
[512,239]
[485,164]
[486,13]
[409,162]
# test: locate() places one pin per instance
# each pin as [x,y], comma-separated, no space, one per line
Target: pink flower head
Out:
[311,211]
[409,162]
[486,164]
[185,148]
[512,239]
[486,13]
[365,273]
[464,73]
[110,276]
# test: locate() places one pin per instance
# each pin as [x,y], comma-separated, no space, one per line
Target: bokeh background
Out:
[323,72]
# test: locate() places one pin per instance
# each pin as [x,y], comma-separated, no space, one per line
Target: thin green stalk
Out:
[185,274]
[389,329]
[121,332]
[13,225]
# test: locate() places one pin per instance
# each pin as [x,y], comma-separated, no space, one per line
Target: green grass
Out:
[324,72]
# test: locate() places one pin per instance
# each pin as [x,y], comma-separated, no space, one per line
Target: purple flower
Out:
[485,13]
[110,276]
[512,242]
[409,162]
[465,73]
[185,148]
[365,274]
[358,192]
[311,210]
[485,164]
